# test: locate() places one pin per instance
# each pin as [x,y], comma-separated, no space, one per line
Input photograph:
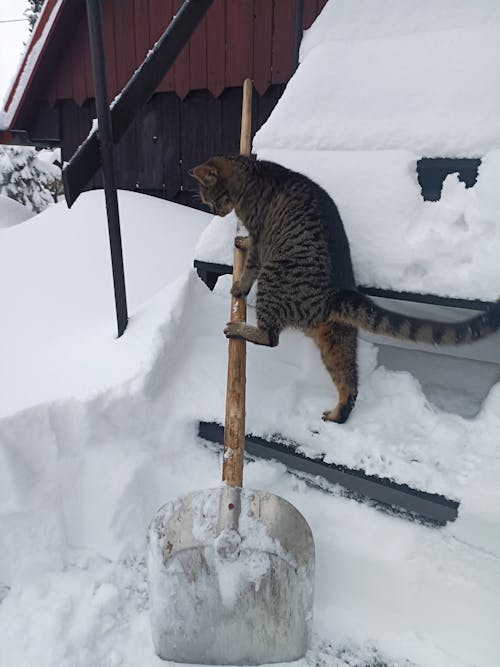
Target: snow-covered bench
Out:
[395,111]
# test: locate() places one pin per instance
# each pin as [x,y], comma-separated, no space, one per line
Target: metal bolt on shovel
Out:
[231,570]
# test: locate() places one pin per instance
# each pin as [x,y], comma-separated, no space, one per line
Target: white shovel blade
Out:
[239,596]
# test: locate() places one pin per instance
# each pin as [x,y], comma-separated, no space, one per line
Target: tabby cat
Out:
[299,253]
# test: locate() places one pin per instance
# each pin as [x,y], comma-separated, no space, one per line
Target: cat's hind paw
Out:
[340,414]
[243,242]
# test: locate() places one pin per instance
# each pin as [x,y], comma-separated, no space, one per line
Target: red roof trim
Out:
[35,38]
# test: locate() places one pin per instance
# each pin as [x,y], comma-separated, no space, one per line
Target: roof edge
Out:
[30,60]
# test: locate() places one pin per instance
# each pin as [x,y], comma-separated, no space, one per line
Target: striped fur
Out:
[360,311]
[299,255]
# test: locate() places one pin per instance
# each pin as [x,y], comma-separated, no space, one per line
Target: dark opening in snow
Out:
[432,172]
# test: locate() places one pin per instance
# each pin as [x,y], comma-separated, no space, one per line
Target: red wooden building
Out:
[195,112]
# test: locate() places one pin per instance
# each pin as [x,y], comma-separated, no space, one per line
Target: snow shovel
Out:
[231,570]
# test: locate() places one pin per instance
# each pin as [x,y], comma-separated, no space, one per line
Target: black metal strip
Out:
[401,499]
[108,165]
[431,299]
[22,138]
[86,161]
[212,268]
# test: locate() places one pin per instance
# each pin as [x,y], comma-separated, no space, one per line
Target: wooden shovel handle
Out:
[234,432]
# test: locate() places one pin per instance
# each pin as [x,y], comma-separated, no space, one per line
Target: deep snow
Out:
[389,74]
[96,433]
[61,303]
[12,212]
[82,475]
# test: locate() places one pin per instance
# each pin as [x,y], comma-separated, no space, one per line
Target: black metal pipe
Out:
[106,153]
[141,87]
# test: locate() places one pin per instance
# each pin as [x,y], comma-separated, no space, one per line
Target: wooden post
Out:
[234,432]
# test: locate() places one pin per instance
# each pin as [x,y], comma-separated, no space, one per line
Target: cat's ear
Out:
[204,173]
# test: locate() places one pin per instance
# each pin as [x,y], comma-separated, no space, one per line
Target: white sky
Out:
[12,36]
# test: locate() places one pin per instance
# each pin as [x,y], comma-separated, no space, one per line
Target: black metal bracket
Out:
[383,493]
[22,138]
[210,272]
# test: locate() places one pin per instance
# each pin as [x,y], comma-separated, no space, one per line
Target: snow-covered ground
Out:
[60,300]
[12,212]
[97,433]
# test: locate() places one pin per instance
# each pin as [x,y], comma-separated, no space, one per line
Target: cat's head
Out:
[213,185]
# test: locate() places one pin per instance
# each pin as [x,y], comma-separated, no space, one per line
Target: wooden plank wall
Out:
[237,39]
[169,137]
[196,111]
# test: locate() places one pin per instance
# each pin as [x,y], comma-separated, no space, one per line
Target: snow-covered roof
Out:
[386,75]
[29,61]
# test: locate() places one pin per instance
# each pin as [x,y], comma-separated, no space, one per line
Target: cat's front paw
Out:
[232,330]
[237,290]
[243,242]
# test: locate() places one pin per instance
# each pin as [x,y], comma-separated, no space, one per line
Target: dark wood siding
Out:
[169,137]
[283,41]
[125,36]
[142,41]
[262,56]
[196,111]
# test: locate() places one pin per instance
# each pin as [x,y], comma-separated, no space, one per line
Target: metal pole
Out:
[108,168]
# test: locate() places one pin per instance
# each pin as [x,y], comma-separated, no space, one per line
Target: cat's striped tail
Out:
[351,307]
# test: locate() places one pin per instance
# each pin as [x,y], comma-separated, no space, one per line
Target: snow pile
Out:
[12,212]
[376,90]
[50,155]
[98,433]
[62,311]
[216,243]
[394,82]
[390,18]
[398,240]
